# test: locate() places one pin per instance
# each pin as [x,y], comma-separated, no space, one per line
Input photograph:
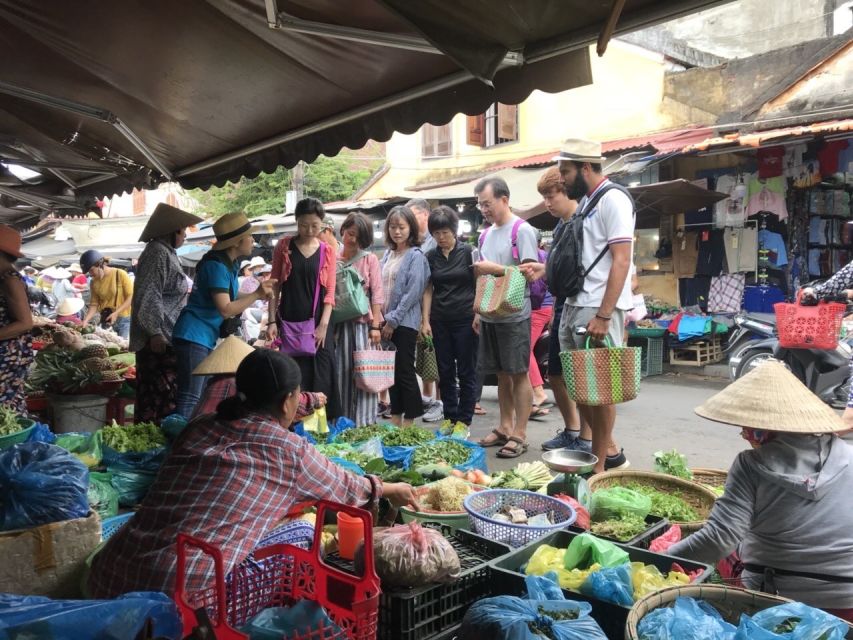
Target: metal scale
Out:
[571,467]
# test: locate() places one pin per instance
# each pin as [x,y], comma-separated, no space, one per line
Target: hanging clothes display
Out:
[685,251]
[775,244]
[771,162]
[726,293]
[712,252]
[741,249]
[731,212]
[767,195]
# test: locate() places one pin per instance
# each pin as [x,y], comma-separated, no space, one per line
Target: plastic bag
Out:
[582,520]
[173,425]
[548,560]
[352,467]
[41,433]
[372,448]
[131,485]
[586,549]
[813,624]
[611,584]
[118,619]
[411,556]
[398,456]
[476,459]
[687,618]
[663,542]
[41,483]
[316,422]
[647,578]
[303,618]
[102,496]
[133,460]
[86,446]
[617,502]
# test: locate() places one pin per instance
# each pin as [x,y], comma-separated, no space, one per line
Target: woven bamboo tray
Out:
[731,602]
[710,477]
[696,495]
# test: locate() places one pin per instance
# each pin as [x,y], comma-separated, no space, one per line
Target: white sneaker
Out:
[434,412]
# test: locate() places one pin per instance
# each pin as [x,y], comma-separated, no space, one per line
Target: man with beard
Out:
[599,308]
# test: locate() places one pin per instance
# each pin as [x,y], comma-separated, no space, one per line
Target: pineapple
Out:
[93,351]
[95,364]
[110,376]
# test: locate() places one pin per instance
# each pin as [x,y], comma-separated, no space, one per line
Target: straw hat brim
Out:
[225,358]
[167,219]
[70,306]
[771,398]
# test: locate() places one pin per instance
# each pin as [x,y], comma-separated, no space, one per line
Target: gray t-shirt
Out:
[428,243]
[497,247]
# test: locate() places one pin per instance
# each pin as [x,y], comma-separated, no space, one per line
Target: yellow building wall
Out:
[623,101]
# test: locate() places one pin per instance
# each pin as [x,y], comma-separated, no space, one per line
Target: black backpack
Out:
[564,270]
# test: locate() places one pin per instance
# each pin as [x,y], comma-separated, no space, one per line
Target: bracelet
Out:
[602,317]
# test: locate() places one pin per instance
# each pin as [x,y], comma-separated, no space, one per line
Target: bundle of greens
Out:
[8,421]
[672,463]
[136,438]
[623,529]
[360,434]
[410,436]
[525,476]
[378,467]
[446,452]
[667,505]
[542,626]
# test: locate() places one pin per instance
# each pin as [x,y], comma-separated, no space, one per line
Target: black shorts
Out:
[505,347]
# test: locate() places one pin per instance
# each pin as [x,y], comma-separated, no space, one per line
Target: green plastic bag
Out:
[103,498]
[617,502]
[131,485]
[586,550]
[86,446]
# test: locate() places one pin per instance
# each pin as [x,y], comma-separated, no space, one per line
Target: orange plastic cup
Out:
[350,534]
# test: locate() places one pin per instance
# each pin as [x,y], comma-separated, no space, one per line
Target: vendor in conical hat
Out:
[787,508]
[221,367]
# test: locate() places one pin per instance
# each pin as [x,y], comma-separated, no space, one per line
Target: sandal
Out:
[478,410]
[499,440]
[537,412]
[507,451]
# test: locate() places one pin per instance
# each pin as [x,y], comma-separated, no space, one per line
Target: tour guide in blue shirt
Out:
[214,298]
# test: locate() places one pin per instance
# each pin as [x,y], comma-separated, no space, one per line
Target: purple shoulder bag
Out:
[297,338]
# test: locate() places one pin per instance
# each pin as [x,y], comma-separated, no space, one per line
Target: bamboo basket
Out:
[710,477]
[699,497]
[731,602]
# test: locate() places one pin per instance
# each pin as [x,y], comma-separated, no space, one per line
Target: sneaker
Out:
[384,410]
[435,412]
[581,445]
[563,440]
[619,461]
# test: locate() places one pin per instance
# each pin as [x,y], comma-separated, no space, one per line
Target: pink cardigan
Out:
[370,272]
[281,267]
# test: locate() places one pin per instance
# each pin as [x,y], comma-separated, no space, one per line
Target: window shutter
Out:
[138,199]
[508,121]
[476,126]
[428,133]
[444,139]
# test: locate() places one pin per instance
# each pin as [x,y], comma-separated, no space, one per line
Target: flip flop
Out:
[537,412]
[499,441]
[519,449]
[479,411]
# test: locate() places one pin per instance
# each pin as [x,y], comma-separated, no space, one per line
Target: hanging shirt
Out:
[793,160]
[729,212]
[767,195]
[770,162]
[741,249]
[774,243]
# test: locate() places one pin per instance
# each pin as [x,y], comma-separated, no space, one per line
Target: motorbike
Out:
[749,329]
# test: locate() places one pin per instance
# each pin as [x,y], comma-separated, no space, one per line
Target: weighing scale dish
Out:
[569,461]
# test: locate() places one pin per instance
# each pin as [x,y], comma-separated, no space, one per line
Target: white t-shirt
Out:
[610,222]
[497,248]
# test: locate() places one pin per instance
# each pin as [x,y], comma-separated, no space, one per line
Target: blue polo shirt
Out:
[200,320]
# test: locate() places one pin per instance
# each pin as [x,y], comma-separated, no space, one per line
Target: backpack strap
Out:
[590,206]
[361,254]
[481,240]
[514,239]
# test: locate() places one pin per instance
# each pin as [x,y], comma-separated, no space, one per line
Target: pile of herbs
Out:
[379,467]
[540,627]
[360,434]
[667,505]
[627,527]
[441,452]
[410,436]
[8,421]
[672,463]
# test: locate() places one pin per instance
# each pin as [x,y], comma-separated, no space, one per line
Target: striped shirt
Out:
[227,483]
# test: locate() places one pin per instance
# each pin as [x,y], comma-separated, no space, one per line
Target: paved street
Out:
[660,418]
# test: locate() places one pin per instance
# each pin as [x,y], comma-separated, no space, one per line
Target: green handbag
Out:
[350,299]
[426,365]
[602,376]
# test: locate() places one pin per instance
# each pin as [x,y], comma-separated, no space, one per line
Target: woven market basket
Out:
[710,477]
[696,495]
[731,602]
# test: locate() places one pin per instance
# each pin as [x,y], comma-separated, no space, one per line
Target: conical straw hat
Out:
[773,399]
[225,358]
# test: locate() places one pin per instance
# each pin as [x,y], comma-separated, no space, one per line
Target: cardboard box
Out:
[48,560]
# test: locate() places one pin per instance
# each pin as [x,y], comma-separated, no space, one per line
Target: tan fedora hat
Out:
[225,358]
[167,219]
[230,229]
[579,150]
[773,399]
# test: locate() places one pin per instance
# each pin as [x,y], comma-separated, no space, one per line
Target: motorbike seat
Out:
[764,318]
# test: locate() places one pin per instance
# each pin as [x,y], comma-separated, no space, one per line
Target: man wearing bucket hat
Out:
[16,321]
[786,507]
[214,305]
[159,294]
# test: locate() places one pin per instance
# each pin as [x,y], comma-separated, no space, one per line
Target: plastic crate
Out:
[651,360]
[508,578]
[110,526]
[281,575]
[655,526]
[484,504]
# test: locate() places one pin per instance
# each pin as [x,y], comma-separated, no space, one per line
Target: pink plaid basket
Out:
[373,369]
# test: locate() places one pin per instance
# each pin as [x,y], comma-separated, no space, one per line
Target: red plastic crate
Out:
[282,575]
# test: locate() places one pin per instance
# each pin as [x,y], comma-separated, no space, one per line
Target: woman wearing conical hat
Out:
[787,509]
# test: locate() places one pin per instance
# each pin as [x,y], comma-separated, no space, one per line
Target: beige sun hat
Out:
[225,358]
[579,150]
[257,261]
[70,306]
[230,229]
[773,399]
[167,219]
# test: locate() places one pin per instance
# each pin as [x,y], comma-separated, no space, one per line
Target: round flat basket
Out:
[731,602]
[710,477]
[699,497]
[483,506]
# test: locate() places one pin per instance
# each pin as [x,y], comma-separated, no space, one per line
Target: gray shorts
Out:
[504,347]
[574,317]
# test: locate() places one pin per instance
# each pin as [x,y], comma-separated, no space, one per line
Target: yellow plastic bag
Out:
[316,422]
[647,578]
[547,558]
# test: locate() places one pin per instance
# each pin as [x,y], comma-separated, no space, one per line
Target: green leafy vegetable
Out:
[673,463]
[622,530]
[667,505]
[378,467]
[360,434]
[8,421]
[407,437]
[440,452]
[136,438]
[542,627]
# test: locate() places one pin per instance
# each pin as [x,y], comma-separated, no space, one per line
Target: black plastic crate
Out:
[508,578]
[655,526]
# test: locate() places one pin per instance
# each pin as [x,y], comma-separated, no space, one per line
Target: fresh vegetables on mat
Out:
[143,436]
[8,421]
[360,434]
[446,452]
[386,473]
[447,495]
[525,476]
[667,505]
[622,529]
[410,436]
[673,463]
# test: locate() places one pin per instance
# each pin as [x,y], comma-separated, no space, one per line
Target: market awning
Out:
[672,197]
[99,97]
[770,137]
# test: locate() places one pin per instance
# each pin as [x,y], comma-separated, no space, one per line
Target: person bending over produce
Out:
[228,479]
[786,507]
